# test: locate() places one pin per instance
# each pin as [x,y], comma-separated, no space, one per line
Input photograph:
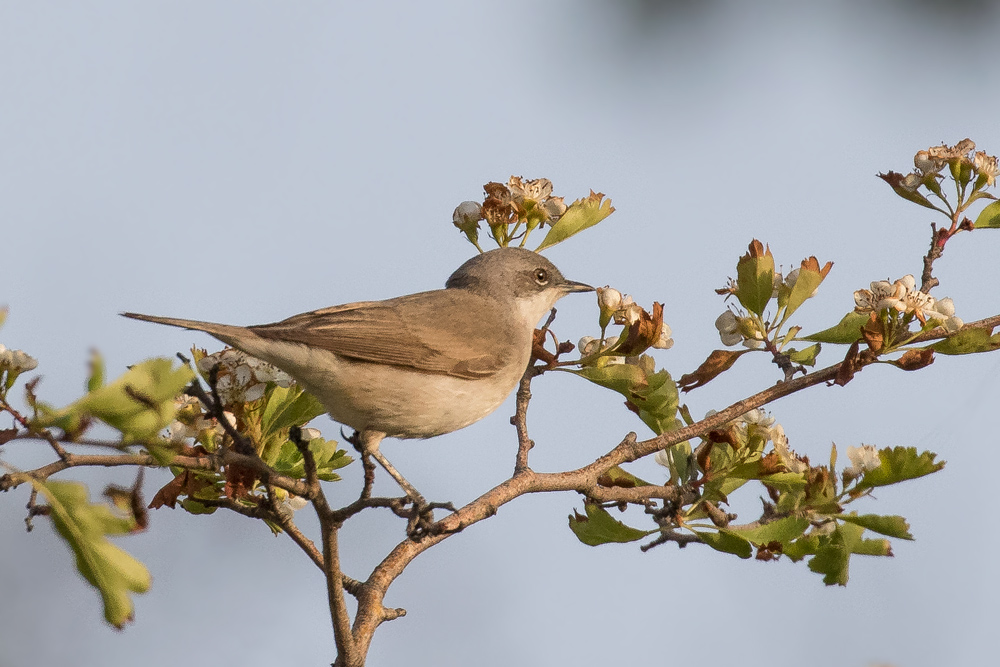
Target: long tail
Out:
[227,333]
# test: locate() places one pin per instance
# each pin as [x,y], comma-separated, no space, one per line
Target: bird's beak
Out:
[571,286]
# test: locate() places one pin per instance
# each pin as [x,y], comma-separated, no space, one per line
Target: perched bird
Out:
[415,366]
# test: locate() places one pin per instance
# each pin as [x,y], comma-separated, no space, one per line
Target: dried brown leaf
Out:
[718,362]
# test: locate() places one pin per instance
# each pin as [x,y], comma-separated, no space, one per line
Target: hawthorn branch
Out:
[585,481]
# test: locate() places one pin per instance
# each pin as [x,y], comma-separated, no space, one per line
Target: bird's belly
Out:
[397,401]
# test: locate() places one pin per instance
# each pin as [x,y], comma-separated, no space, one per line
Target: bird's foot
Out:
[419,515]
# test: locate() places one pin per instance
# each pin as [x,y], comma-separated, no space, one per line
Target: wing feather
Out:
[432,332]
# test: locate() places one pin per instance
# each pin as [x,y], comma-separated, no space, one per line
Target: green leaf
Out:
[808,281]
[657,402]
[626,379]
[968,341]
[85,527]
[873,547]
[726,542]
[3,315]
[844,332]
[899,464]
[755,278]
[832,557]
[782,530]
[599,527]
[582,214]
[989,217]
[785,481]
[291,406]
[139,404]
[893,526]
[328,458]
[806,356]
[807,545]
[653,395]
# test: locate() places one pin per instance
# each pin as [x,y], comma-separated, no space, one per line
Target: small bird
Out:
[414,366]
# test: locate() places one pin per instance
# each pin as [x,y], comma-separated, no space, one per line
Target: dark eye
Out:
[541,276]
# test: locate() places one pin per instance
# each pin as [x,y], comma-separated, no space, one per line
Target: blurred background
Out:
[246,161]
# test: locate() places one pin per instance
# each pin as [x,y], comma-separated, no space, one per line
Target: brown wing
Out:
[452,332]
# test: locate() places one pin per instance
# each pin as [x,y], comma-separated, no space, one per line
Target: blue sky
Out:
[242,162]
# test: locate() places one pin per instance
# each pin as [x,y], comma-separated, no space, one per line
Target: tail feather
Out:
[227,333]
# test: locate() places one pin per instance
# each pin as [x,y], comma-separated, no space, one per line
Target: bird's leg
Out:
[369,442]
[420,520]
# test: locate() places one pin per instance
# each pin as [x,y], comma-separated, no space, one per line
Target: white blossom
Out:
[986,166]
[788,458]
[242,378]
[728,327]
[863,459]
[16,362]
[664,342]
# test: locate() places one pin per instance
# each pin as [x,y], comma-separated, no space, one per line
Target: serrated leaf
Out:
[289,406]
[785,481]
[626,379]
[782,530]
[806,356]
[755,277]
[989,217]
[581,214]
[893,526]
[833,556]
[806,545]
[657,402]
[85,527]
[968,341]
[139,404]
[599,527]
[726,542]
[808,281]
[873,547]
[844,332]
[328,458]
[899,464]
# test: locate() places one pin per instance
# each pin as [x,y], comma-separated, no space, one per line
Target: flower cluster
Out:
[737,326]
[903,297]
[506,207]
[960,157]
[622,310]
[12,364]
[16,362]
[242,378]
[192,423]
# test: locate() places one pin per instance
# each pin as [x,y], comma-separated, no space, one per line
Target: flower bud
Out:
[467,216]
[609,300]
[588,345]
